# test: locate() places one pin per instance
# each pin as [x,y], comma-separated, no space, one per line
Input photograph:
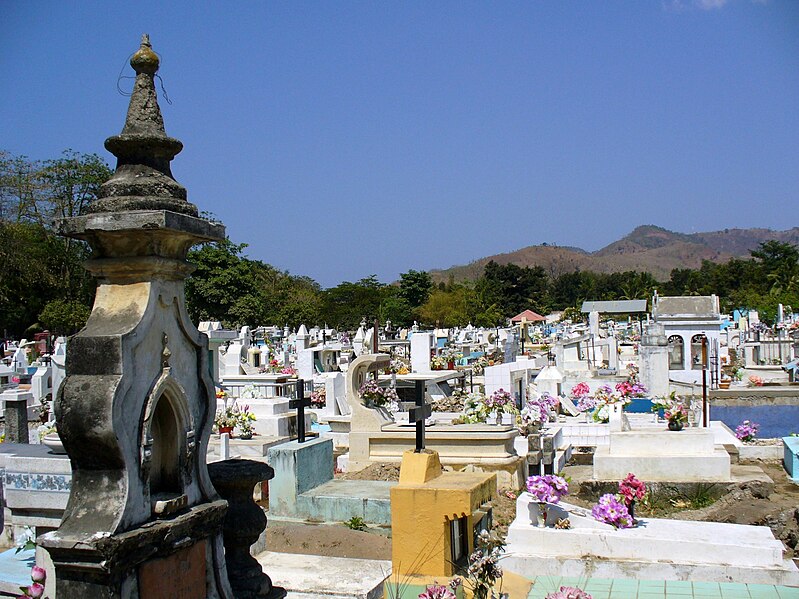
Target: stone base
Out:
[790,446]
[340,500]
[257,447]
[657,549]
[36,486]
[766,453]
[700,468]
[480,447]
[277,424]
[690,455]
[96,565]
[315,577]
[339,430]
[584,568]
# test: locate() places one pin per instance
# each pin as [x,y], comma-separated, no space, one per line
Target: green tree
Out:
[415,287]
[447,308]
[224,285]
[64,317]
[39,266]
[780,262]
[347,303]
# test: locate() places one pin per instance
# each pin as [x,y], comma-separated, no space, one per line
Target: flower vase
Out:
[225,429]
[654,416]
[675,425]
[533,428]
[245,436]
[631,509]
[540,514]
[587,416]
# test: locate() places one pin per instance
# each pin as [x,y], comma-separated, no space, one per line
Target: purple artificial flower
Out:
[586,403]
[547,488]
[611,511]
[747,430]
[568,593]
[436,591]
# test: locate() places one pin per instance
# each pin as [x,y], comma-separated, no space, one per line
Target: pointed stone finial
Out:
[143,179]
[145,60]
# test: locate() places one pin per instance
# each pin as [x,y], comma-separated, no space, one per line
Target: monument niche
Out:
[136,409]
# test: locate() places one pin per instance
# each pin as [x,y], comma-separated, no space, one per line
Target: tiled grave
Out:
[616,588]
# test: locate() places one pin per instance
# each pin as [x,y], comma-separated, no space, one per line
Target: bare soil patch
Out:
[331,540]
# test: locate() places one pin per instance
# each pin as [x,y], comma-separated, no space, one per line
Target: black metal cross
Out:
[300,404]
[418,415]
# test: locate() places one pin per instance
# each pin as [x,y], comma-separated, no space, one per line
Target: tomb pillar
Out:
[654,354]
[16,414]
[136,409]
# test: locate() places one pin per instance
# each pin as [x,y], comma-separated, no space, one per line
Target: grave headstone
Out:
[15,411]
[58,363]
[421,343]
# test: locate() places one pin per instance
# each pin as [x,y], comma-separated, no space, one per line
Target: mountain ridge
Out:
[646,248]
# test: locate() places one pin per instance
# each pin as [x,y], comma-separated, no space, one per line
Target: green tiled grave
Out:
[616,588]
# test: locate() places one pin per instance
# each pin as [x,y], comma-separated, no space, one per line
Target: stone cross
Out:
[418,415]
[300,404]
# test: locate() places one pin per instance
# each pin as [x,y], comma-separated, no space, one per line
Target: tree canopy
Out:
[38,266]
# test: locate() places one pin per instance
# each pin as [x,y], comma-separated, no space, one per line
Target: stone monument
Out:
[654,352]
[136,409]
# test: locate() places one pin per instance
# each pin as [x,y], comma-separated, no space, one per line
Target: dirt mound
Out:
[388,472]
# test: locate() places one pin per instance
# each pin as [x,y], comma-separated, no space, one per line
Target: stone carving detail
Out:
[166,353]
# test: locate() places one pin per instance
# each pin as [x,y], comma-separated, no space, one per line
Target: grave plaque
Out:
[174,577]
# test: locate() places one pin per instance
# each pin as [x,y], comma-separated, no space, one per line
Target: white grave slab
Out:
[657,549]
[689,455]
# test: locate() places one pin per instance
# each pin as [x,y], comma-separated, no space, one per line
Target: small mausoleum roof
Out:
[549,373]
[529,316]
[615,307]
[687,306]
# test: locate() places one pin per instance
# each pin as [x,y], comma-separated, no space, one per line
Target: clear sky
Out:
[344,139]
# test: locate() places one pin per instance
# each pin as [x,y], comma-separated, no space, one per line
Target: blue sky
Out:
[344,139]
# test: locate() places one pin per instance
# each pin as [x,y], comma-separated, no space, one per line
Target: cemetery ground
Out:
[754,504]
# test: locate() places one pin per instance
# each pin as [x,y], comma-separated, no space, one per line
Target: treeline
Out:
[44,286]
[768,278]
[229,286]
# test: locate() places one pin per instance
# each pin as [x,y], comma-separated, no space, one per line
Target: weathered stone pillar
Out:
[654,364]
[136,409]
[16,414]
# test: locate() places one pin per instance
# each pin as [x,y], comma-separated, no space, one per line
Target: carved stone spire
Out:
[143,179]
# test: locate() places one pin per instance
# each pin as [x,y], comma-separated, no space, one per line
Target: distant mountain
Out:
[646,248]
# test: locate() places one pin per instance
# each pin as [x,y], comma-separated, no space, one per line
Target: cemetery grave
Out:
[147,490]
